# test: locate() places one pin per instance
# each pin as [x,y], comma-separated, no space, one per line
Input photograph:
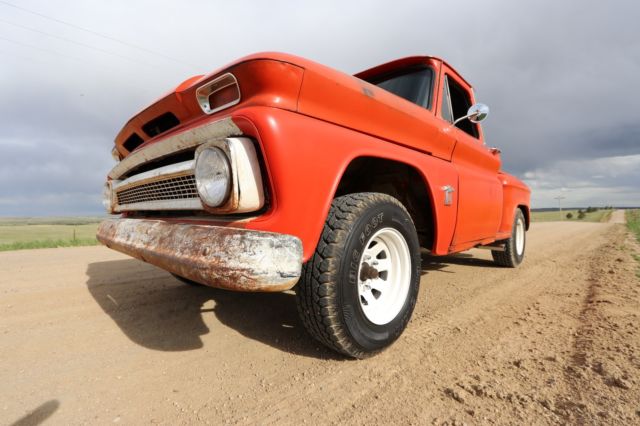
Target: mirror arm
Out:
[462,118]
[476,113]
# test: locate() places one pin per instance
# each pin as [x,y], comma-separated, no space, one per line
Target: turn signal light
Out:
[218,94]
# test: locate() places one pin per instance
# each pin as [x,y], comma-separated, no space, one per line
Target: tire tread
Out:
[316,291]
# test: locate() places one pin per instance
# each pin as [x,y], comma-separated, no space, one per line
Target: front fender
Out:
[305,159]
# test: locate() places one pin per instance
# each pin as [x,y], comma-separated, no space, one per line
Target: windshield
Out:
[414,86]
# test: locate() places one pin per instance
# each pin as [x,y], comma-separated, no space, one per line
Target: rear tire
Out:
[357,292]
[514,247]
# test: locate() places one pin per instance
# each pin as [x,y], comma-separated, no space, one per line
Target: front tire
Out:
[514,247]
[358,291]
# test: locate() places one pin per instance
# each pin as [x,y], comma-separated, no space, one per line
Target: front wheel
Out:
[357,292]
[513,253]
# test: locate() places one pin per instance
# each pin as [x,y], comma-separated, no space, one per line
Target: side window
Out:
[460,104]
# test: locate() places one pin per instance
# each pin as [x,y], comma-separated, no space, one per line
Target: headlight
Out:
[213,176]
[106,197]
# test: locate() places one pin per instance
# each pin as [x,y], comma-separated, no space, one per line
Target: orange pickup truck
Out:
[275,172]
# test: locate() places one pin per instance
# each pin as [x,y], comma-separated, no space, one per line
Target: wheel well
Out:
[525,212]
[401,181]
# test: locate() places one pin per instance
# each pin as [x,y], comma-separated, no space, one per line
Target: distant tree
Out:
[581,214]
[569,215]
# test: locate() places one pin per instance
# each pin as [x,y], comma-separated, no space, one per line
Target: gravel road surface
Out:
[88,335]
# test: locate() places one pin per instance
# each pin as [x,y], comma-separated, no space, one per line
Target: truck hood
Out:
[297,84]
[265,79]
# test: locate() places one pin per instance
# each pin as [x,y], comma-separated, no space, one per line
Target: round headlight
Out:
[213,176]
[106,197]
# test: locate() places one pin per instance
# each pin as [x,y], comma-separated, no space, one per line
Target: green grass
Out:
[633,223]
[553,216]
[16,236]
[38,244]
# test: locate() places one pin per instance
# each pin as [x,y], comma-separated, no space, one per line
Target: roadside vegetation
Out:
[633,222]
[33,233]
[590,214]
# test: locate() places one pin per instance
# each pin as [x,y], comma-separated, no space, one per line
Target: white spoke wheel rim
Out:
[519,236]
[384,276]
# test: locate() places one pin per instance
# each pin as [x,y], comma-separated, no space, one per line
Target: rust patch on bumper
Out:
[217,256]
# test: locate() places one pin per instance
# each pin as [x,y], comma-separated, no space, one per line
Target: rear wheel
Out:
[514,247]
[357,292]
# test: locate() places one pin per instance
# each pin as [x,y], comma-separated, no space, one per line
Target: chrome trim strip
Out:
[156,174]
[186,204]
[182,141]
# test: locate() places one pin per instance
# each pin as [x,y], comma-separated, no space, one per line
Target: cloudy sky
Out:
[560,78]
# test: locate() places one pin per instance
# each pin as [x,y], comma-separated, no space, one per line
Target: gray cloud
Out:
[608,180]
[559,77]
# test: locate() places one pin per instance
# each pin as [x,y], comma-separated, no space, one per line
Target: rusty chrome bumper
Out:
[218,256]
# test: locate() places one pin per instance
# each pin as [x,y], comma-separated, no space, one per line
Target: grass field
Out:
[553,216]
[30,233]
[53,220]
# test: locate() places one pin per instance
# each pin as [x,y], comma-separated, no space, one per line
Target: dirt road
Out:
[90,336]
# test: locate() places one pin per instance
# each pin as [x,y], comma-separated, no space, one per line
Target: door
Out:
[479,189]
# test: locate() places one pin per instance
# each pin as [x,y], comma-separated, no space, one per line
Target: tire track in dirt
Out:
[598,377]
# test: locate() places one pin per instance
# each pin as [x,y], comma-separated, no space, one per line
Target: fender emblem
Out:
[448,190]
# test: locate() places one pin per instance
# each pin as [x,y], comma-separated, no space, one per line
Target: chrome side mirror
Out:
[475,114]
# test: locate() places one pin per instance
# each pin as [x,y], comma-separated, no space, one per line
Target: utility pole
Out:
[560,198]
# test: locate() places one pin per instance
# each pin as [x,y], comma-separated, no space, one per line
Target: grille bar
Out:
[171,187]
[175,188]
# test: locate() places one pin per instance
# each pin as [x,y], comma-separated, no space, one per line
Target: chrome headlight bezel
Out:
[107,197]
[246,193]
[213,176]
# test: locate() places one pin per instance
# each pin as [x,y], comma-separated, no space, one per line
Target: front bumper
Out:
[218,256]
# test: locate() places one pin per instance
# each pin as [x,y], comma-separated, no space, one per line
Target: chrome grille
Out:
[174,188]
